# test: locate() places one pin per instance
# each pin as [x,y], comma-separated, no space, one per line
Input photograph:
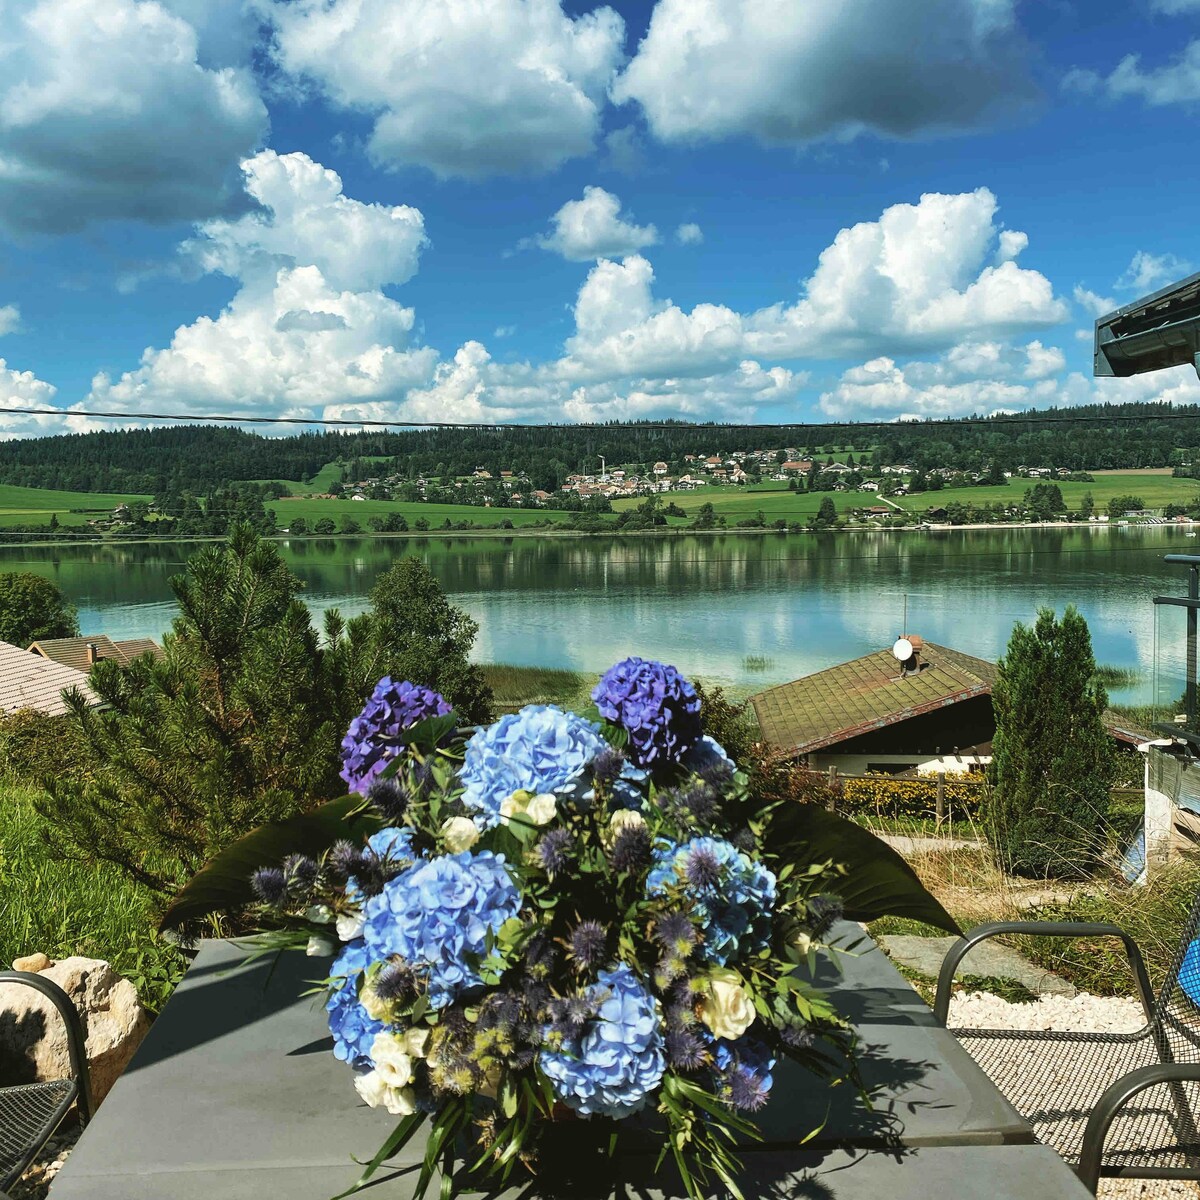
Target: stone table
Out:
[235,1094]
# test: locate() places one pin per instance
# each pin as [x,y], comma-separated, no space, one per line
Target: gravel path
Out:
[1081,1012]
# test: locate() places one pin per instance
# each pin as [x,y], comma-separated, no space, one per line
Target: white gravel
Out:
[1083,1013]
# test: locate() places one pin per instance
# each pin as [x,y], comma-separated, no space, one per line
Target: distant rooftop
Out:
[831,706]
[81,652]
[28,681]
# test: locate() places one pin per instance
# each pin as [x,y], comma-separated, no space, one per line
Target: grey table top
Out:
[235,1094]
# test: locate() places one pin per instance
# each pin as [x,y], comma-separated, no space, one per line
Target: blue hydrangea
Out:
[392,707]
[353,1030]
[733,895]
[707,755]
[612,1067]
[437,915]
[539,749]
[657,706]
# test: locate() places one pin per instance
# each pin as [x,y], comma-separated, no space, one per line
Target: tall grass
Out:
[514,687]
[1117,677]
[62,906]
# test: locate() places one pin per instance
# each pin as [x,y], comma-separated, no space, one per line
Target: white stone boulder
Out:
[33,1038]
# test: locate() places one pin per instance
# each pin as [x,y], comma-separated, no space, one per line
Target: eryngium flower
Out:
[269,885]
[657,706]
[734,911]
[685,1051]
[396,982]
[366,748]
[743,1072]
[389,799]
[554,850]
[300,872]
[437,915]
[613,1066]
[631,849]
[587,943]
[353,1030]
[608,765]
[342,861]
[539,749]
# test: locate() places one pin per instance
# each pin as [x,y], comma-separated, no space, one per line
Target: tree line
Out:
[201,458]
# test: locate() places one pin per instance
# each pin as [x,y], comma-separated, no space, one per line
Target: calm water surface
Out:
[748,610]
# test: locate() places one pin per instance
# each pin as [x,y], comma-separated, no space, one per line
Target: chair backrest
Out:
[1177,1006]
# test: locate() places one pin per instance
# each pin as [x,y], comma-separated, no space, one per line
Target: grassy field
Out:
[33,506]
[63,907]
[514,687]
[286,511]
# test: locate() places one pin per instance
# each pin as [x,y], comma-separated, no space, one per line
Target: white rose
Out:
[416,1041]
[797,949]
[349,924]
[377,1008]
[319,946]
[392,1063]
[537,810]
[459,834]
[726,1009]
[625,818]
[319,914]
[400,1102]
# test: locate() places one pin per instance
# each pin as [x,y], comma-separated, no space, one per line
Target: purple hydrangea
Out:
[732,894]
[611,1068]
[437,916]
[353,1030]
[539,749]
[366,748]
[656,705]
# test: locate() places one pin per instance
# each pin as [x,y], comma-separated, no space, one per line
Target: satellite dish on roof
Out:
[902,651]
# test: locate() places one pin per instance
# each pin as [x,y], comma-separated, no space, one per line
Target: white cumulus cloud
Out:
[10,318]
[592,228]
[462,87]
[788,73]
[1175,82]
[1146,271]
[106,113]
[1093,303]
[689,234]
[309,325]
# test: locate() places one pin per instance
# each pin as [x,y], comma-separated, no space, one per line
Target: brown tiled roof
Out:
[73,652]
[28,681]
[869,693]
[853,698]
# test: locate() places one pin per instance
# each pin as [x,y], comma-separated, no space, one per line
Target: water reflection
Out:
[745,609]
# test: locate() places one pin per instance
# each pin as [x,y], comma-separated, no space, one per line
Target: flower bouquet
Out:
[556,916]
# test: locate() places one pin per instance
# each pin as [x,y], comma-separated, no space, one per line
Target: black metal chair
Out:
[31,1112]
[1117,1105]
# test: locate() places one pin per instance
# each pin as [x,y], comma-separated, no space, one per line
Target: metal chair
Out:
[1117,1105]
[31,1112]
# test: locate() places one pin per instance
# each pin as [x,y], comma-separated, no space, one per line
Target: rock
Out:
[33,1040]
[988,958]
[31,962]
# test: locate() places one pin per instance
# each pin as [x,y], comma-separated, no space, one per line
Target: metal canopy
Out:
[1158,331]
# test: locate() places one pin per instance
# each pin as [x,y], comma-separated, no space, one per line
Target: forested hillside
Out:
[198,458]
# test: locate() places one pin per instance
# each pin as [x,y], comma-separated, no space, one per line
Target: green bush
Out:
[888,797]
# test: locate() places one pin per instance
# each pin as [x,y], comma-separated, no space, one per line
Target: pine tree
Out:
[1053,762]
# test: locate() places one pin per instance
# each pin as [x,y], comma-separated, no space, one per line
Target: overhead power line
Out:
[1027,418]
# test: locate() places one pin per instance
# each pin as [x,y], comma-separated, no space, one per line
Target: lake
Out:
[748,610]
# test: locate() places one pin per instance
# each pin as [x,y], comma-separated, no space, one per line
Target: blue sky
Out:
[541,210]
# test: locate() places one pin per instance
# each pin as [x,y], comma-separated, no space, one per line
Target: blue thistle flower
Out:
[631,849]
[270,885]
[587,944]
[607,766]
[685,1051]
[301,873]
[389,799]
[823,913]
[701,869]
[555,850]
[743,1072]
[798,1037]
[343,860]
[396,982]
[675,930]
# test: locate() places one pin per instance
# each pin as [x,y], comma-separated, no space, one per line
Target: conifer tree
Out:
[1052,760]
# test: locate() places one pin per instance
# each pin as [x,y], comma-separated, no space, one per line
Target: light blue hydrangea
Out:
[733,895]
[353,1030]
[618,1061]
[539,749]
[437,915]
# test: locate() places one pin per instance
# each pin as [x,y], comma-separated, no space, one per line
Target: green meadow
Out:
[33,506]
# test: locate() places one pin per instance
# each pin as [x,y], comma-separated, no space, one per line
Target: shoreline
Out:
[492,532]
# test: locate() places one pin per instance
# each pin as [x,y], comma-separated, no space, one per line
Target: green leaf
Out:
[225,883]
[878,882]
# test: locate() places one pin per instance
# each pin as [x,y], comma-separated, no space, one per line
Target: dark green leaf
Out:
[225,883]
[878,882]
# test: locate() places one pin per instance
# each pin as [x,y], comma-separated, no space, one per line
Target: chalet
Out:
[660,468]
[918,707]
[879,510]
[506,474]
[712,462]
[82,653]
[800,466]
[29,681]
[482,474]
